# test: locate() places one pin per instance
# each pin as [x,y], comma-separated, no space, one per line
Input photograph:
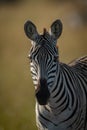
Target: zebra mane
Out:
[44,31]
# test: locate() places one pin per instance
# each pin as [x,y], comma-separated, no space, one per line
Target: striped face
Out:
[43,56]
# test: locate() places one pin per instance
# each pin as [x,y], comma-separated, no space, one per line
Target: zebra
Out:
[60,89]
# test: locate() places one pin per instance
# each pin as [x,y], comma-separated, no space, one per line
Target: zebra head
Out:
[43,56]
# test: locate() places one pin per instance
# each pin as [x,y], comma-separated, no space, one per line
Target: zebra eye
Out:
[55,58]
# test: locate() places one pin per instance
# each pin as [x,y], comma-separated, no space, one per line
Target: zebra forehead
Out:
[45,44]
[45,39]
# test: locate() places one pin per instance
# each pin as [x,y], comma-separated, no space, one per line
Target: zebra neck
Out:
[58,90]
[59,98]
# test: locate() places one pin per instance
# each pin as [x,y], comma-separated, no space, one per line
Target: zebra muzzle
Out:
[42,93]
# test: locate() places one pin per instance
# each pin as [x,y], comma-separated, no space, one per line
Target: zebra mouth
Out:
[42,93]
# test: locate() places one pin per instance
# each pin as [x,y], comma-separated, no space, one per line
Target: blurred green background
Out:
[17,102]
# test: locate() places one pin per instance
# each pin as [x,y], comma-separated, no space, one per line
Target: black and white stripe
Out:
[67,106]
[60,89]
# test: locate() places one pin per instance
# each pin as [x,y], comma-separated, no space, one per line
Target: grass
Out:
[17,101]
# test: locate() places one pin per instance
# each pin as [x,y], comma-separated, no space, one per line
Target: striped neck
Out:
[59,97]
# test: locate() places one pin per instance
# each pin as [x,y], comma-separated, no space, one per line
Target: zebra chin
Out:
[42,93]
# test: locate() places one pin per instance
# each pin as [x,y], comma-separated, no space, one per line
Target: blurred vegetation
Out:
[10,1]
[17,102]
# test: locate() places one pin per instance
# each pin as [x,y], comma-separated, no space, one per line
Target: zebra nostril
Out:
[41,84]
[42,93]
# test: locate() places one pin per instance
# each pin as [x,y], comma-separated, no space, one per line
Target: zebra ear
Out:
[56,29]
[30,30]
